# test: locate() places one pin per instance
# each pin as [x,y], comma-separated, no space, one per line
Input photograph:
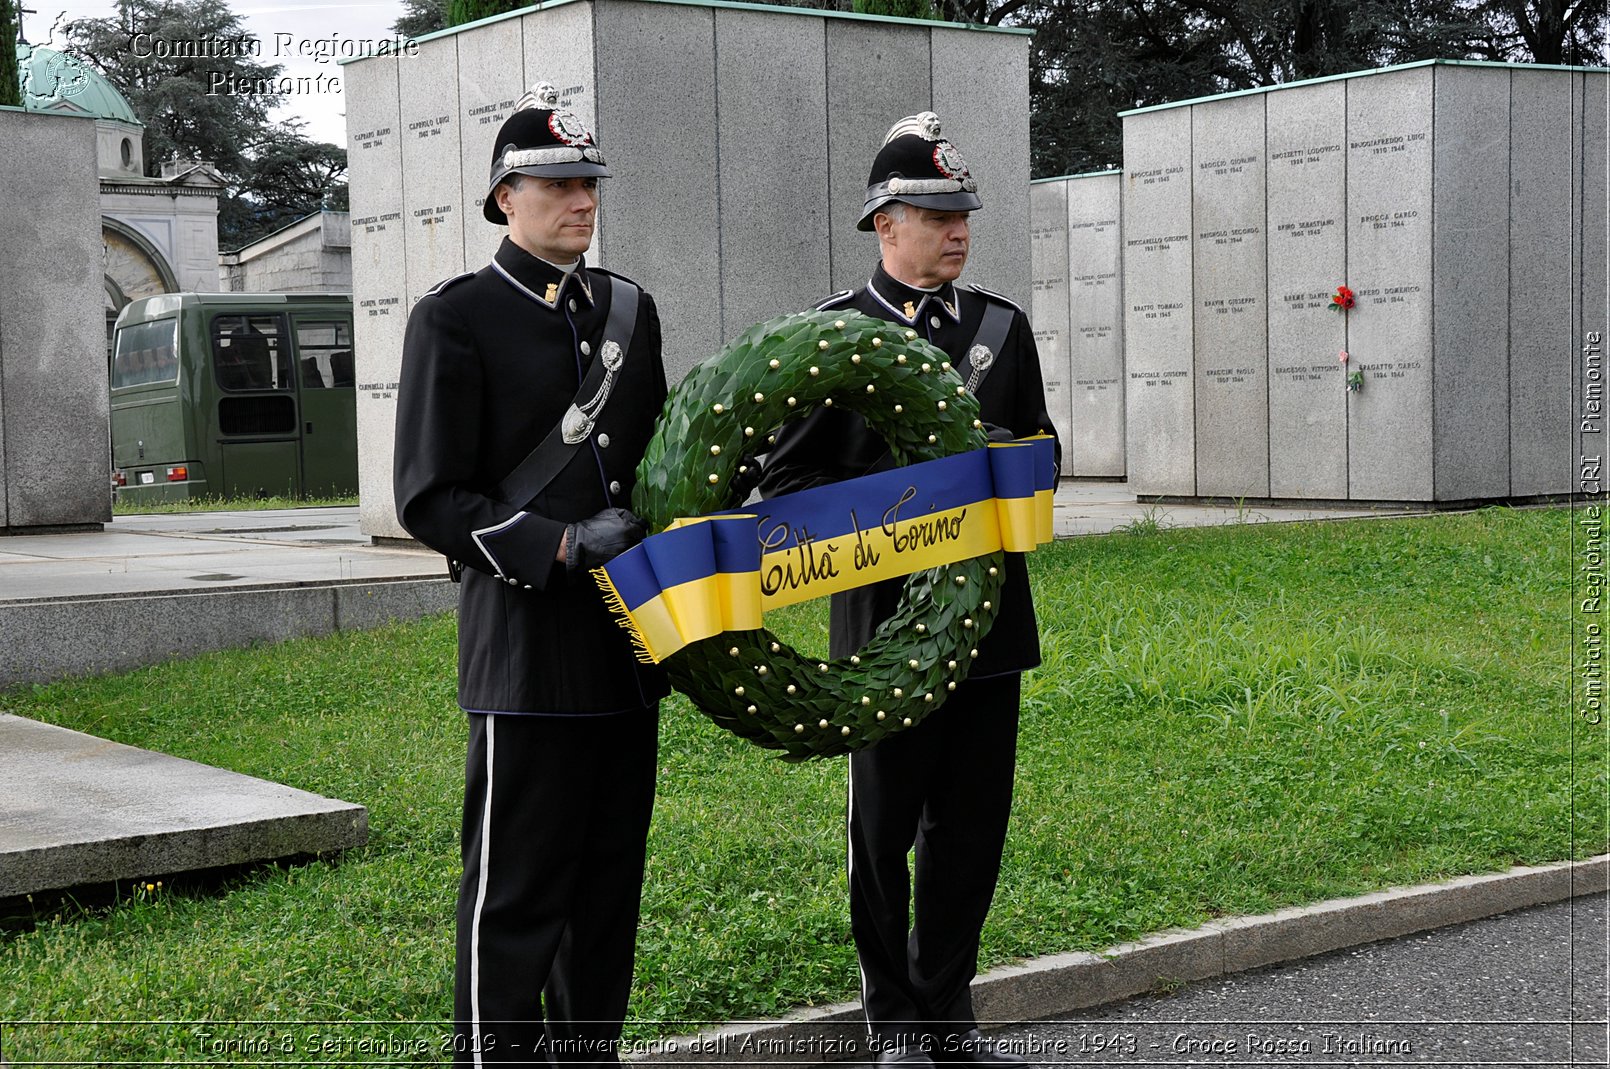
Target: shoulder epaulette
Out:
[992,295]
[838,298]
[446,282]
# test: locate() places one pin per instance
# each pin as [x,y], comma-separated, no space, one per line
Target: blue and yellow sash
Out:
[700,577]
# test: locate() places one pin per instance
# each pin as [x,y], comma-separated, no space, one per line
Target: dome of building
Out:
[57,82]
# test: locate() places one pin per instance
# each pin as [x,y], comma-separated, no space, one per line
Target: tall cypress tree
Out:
[10,86]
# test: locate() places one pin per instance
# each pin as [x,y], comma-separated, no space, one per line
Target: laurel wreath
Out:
[729,409]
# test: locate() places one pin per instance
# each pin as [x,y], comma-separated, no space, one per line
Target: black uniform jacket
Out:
[832,444]
[491,362]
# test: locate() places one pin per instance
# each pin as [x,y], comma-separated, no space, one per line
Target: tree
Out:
[1092,59]
[177,97]
[290,177]
[461,11]
[421,17]
[900,9]
[10,86]
[1549,31]
[212,106]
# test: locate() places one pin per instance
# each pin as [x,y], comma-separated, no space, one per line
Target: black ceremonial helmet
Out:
[541,138]
[916,165]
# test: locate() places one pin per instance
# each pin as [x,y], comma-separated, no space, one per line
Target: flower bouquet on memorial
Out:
[1342,299]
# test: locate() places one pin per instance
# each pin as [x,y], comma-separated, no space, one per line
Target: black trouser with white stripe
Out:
[944,788]
[556,814]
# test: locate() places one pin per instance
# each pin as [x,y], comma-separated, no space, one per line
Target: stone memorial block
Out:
[1230,284]
[1540,336]
[664,184]
[488,88]
[1048,312]
[734,194]
[871,82]
[379,281]
[981,93]
[1159,409]
[1389,173]
[1095,326]
[432,166]
[773,178]
[1307,239]
[55,469]
[1470,287]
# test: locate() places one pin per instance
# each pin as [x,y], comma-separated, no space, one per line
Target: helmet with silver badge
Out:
[918,165]
[542,138]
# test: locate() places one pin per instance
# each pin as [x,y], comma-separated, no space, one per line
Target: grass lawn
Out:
[1228,720]
[226,504]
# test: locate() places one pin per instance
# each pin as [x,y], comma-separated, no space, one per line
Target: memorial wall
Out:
[55,471]
[1458,201]
[740,141]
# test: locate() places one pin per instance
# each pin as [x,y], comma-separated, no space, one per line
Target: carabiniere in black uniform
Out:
[562,718]
[491,363]
[945,787]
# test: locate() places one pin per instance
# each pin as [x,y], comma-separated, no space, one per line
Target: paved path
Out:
[203,551]
[1524,988]
[209,551]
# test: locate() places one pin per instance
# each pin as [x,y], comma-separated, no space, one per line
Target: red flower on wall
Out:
[1342,299]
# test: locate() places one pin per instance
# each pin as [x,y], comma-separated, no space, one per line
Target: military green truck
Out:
[233,395]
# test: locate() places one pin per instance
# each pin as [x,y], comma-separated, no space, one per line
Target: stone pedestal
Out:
[1048,247]
[1159,288]
[740,140]
[1306,234]
[1230,312]
[1078,317]
[54,466]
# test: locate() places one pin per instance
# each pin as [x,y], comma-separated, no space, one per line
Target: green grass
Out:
[226,504]
[1228,721]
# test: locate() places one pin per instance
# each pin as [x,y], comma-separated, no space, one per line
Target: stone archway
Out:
[133,264]
[134,269]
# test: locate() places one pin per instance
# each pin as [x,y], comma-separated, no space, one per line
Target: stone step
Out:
[76,809]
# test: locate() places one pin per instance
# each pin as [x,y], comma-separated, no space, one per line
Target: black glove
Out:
[999,434]
[601,538]
[743,481]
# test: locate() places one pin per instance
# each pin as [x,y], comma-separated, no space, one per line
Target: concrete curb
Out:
[1062,983]
[46,640]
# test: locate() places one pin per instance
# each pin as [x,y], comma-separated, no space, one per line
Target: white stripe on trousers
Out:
[849,875]
[480,894]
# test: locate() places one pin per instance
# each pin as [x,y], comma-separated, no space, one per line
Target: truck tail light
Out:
[178,474]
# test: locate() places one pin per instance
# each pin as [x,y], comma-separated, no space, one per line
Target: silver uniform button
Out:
[586,349]
[933,321]
[572,304]
[603,441]
[614,488]
[512,581]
